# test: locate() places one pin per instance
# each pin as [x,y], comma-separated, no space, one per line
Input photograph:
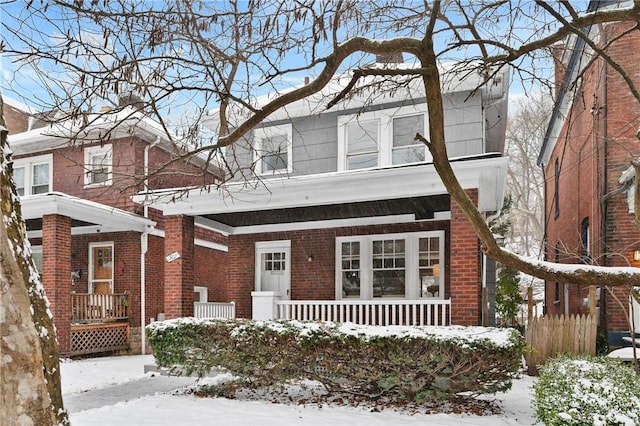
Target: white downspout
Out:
[144,246]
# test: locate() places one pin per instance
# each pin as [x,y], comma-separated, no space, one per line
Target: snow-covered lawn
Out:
[115,390]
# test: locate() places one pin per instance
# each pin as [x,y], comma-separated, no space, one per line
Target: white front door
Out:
[273,267]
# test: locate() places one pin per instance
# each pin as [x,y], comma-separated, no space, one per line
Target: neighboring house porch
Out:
[89,284]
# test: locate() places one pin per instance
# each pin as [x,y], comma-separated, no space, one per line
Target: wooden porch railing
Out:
[214,310]
[369,312]
[94,308]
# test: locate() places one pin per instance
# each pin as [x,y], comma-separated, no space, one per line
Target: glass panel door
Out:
[101,272]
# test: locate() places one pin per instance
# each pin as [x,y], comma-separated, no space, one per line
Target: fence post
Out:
[592,300]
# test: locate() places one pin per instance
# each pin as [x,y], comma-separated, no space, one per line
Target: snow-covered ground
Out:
[115,390]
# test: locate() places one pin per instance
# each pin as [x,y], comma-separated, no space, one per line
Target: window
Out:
[382,138]
[584,238]
[98,165]
[390,266]
[405,148]
[556,191]
[101,268]
[362,144]
[556,296]
[36,255]
[272,147]
[33,175]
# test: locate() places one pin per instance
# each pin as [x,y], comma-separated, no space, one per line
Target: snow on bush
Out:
[587,391]
[402,362]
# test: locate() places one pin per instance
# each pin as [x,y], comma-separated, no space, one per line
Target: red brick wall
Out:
[597,143]
[56,274]
[309,280]
[155,278]
[179,278]
[211,272]
[464,268]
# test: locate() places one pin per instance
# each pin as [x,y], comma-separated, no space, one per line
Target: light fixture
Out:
[310,258]
[636,255]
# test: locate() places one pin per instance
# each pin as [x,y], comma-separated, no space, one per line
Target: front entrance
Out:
[273,268]
[101,268]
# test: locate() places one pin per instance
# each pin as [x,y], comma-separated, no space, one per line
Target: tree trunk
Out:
[30,392]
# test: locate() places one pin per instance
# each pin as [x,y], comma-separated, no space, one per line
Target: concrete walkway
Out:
[134,389]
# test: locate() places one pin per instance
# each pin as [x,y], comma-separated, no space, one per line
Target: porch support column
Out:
[465,280]
[178,266]
[56,274]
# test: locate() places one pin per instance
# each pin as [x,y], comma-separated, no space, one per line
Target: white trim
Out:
[262,133]
[196,241]
[203,292]
[384,118]
[91,279]
[107,218]
[488,175]
[93,151]
[411,263]
[28,163]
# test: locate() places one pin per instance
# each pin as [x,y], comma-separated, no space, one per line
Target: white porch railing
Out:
[368,312]
[214,310]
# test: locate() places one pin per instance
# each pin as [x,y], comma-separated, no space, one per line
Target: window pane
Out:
[351,284]
[40,184]
[18,177]
[429,264]
[388,283]
[274,153]
[362,137]
[99,168]
[405,129]
[362,161]
[410,154]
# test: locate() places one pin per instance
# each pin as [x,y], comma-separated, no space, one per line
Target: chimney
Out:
[389,58]
[131,100]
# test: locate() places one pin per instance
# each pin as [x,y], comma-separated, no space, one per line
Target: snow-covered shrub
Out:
[405,363]
[587,391]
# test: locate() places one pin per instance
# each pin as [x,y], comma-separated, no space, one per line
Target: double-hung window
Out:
[33,175]
[404,265]
[98,165]
[382,138]
[272,148]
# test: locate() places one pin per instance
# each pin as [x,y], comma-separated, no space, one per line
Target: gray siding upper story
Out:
[315,137]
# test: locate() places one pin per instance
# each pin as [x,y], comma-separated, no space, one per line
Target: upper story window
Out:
[98,165]
[33,175]
[272,148]
[382,138]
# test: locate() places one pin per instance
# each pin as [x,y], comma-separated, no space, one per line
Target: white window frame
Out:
[28,164]
[266,132]
[385,132]
[91,278]
[412,265]
[89,153]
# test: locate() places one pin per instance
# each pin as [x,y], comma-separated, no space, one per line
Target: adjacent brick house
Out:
[102,256]
[344,207]
[587,153]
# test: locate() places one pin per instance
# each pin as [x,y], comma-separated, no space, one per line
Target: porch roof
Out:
[87,217]
[414,190]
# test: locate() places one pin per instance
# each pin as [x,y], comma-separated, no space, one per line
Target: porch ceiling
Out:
[86,216]
[420,207]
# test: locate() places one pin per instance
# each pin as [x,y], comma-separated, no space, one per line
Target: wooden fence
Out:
[551,335]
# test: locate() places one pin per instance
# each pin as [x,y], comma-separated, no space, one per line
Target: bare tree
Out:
[526,127]
[189,57]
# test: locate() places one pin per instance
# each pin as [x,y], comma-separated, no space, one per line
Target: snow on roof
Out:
[452,80]
[17,105]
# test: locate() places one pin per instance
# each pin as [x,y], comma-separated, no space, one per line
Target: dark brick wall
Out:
[597,143]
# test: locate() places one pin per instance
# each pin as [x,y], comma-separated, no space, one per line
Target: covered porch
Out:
[309,244]
[90,291]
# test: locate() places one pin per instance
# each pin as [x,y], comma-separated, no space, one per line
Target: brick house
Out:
[102,256]
[587,153]
[341,210]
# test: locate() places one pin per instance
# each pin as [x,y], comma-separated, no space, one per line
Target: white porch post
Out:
[264,305]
